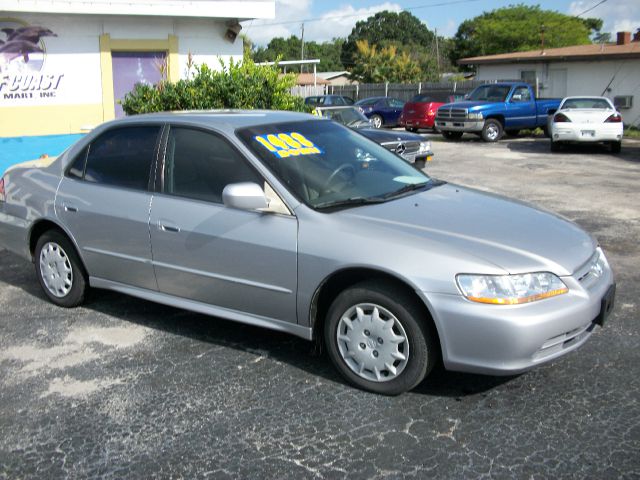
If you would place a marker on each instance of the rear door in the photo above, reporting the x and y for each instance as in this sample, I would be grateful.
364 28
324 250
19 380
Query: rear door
240 260
104 200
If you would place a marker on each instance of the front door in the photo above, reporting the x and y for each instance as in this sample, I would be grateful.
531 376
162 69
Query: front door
130 68
557 83
521 108
244 261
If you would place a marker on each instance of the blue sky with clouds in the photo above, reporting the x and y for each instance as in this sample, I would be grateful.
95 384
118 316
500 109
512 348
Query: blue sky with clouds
337 17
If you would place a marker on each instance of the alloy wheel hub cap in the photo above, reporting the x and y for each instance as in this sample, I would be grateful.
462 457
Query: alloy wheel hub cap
372 342
56 271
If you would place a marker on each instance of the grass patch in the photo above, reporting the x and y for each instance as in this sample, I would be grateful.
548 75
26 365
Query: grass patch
631 132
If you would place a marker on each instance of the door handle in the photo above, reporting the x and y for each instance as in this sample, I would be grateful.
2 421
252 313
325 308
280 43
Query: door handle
70 208
168 228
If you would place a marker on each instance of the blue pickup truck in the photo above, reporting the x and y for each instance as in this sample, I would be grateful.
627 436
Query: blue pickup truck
493 109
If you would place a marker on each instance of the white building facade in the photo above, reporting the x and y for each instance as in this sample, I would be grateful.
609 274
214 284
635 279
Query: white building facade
64 65
610 70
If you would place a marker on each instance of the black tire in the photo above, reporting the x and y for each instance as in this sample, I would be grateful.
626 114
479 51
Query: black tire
513 133
492 130
420 164
616 147
74 295
419 333
452 135
377 121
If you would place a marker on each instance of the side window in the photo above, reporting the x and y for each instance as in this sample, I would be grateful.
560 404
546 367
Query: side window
200 164
76 170
122 157
521 94
395 103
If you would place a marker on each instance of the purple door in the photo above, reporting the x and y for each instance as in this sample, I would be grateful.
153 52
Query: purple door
130 68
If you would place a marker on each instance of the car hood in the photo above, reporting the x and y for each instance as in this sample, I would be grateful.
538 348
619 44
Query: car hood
382 136
478 104
509 234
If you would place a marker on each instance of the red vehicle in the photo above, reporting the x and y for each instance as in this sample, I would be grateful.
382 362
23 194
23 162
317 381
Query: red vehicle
420 112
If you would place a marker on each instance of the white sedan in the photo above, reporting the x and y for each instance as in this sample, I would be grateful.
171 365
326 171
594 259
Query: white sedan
586 119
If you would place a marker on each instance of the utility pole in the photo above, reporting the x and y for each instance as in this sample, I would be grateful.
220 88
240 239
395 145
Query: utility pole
542 28
302 48
437 55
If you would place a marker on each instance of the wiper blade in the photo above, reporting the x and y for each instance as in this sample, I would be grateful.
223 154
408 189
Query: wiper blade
349 202
410 187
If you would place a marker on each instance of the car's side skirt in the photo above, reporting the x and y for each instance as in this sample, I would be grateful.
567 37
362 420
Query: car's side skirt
199 307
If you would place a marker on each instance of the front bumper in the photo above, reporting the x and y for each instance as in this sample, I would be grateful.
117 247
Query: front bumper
507 340
417 122
418 157
459 125
586 132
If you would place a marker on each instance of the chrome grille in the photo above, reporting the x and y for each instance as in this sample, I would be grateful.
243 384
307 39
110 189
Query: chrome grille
451 113
410 148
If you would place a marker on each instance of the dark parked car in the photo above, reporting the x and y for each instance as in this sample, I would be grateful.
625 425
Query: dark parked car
411 147
328 100
382 111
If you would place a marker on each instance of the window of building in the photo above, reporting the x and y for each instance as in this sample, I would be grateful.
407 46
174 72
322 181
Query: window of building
122 157
200 164
529 76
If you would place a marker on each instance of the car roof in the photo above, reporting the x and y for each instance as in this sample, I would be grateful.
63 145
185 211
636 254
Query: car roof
219 118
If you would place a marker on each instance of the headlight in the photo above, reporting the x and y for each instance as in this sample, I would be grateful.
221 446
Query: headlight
510 289
474 116
424 147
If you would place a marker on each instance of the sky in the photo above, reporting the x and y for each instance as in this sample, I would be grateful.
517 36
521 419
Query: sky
327 19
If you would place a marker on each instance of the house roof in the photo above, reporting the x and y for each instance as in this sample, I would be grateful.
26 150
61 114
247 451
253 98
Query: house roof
330 75
307 79
605 51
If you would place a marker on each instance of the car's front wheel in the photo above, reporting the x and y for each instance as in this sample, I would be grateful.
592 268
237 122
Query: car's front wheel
492 130
376 121
378 338
59 270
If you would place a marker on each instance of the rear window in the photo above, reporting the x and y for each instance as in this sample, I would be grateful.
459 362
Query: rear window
423 98
122 157
597 103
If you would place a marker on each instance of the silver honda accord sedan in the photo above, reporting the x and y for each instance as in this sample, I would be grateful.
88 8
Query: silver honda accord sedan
298 224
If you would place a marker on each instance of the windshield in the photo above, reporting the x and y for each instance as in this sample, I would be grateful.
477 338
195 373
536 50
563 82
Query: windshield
368 101
598 103
346 116
490 93
327 165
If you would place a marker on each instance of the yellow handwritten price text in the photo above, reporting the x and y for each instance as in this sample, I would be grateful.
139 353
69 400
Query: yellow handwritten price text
285 145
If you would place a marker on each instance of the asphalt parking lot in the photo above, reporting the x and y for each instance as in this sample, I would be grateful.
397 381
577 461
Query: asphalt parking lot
124 388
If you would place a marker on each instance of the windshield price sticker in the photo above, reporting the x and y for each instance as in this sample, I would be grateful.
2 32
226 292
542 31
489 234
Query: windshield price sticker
285 145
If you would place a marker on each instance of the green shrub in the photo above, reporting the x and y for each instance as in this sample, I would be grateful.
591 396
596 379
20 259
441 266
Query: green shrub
237 85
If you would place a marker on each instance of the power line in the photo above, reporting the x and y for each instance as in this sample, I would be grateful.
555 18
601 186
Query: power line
589 9
336 17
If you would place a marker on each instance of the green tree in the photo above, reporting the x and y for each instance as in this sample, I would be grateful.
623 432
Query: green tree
401 30
291 49
236 85
519 28
378 65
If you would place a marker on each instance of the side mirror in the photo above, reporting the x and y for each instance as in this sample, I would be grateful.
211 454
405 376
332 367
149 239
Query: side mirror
516 98
245 196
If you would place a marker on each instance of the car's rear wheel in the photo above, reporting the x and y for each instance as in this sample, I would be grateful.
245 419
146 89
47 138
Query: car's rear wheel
452 135
59 270
492 130
616 147
376 121
378 338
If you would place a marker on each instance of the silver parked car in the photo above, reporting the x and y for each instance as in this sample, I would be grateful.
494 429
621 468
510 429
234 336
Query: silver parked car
298 224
